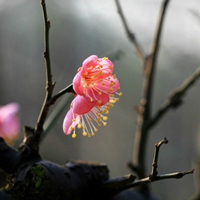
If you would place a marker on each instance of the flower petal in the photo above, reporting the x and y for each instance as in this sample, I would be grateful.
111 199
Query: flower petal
78 84
70 122
109 85
9 122
9 109
82 105
101 98
67 122
88 62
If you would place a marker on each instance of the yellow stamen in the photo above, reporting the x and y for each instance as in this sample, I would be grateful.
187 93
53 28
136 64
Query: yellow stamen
79 126
111 89
84 133
104 123
105 118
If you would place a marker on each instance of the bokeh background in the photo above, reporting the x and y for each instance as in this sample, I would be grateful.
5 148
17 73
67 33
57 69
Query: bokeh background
80 28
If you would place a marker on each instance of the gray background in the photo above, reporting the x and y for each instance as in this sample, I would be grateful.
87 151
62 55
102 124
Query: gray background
80 28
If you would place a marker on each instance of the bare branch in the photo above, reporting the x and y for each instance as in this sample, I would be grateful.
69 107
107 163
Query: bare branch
175 98
154 171
149 179
68 89
36 133
130 35
151 62
145 103
126 182
120 184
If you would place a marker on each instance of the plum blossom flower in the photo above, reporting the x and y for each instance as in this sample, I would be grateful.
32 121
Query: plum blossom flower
95 80
95 86
9 123
85 115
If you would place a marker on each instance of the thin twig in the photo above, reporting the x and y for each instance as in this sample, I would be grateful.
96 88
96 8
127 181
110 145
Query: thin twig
151 61
130 35
119 184
154 171
68 89
123 183
145 104
49 83
175 98
175 175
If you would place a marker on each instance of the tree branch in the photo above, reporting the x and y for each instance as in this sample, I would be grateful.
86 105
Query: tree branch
154 171
68 89
176 175
49 83
9 157
145 103
131 35
175 98
117 185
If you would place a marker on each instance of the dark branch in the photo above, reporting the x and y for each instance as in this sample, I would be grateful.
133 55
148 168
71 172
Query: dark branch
130 35
68 89
129 181
151 62
49 84
176 175
175 98
154 171
145 104
9 157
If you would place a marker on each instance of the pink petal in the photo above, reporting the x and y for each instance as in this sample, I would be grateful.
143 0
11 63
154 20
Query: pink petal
68 123
101 99
109 85
82 105
9 109
9 123
107 66
90 61
78 83
10 127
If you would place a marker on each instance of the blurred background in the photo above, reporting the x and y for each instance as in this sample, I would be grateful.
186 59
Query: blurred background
80 28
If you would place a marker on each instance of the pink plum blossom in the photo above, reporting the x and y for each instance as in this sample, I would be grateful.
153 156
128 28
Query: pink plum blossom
95 80
86 115
95 86
9 123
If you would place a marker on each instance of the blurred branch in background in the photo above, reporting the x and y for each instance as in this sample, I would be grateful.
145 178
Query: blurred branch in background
144 110
130 34
175 98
